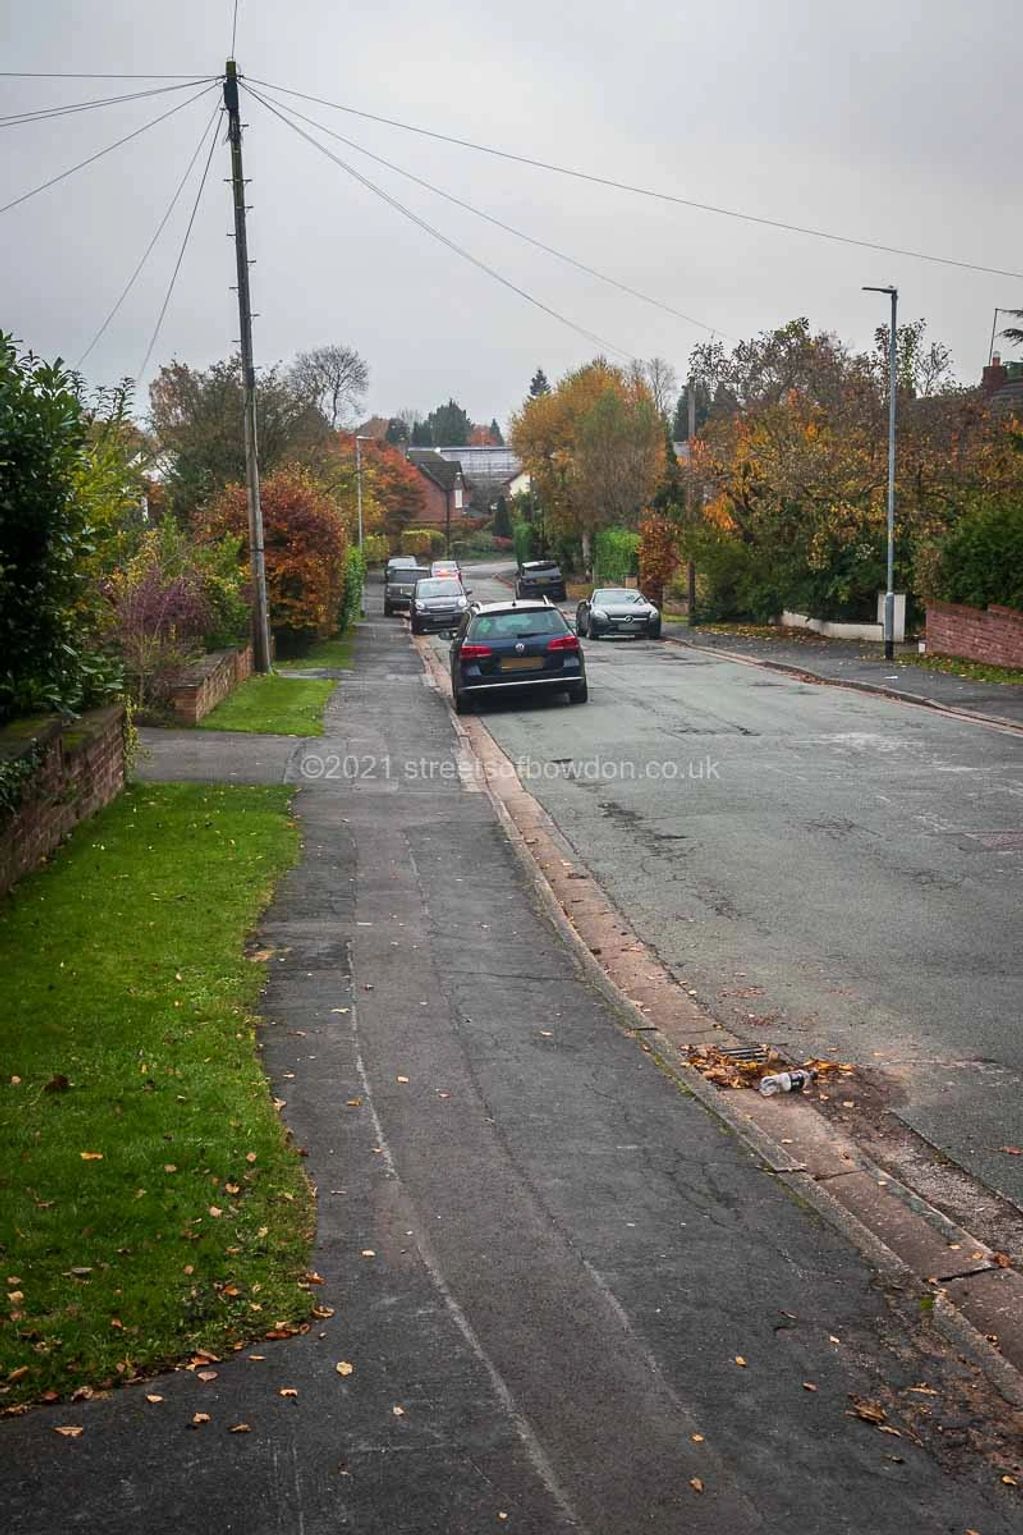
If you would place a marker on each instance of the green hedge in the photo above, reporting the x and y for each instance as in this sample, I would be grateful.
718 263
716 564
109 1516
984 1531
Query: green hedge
423 541
981 561
351 600
616 556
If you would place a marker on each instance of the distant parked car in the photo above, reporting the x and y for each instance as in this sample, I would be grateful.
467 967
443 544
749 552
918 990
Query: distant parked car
515 645
540 578
617 610
399 584
446 568
438 603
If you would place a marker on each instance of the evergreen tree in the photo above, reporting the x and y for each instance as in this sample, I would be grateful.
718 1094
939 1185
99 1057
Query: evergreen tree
449 426
396 434
502 519
496 436
538 384
422 435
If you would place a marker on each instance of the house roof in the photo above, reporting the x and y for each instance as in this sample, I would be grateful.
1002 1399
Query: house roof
487 467
446 473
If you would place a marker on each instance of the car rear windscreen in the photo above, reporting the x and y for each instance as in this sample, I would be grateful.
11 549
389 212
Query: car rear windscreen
408 575
516 623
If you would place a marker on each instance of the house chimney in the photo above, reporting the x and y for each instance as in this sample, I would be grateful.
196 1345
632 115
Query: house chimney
994 377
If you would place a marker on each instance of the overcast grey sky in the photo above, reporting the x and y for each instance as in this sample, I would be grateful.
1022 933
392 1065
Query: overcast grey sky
891 120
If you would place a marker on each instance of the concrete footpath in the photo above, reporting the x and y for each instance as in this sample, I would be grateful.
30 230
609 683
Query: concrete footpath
570 1299
862 665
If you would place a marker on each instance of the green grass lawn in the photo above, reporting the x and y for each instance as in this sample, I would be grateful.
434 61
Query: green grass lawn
334 654
958 666
287 706
149 1202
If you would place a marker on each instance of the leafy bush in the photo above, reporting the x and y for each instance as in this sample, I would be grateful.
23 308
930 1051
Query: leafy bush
355 575
981 561
160 616
305 539
375 548
617 553
47 660
424 542
523 540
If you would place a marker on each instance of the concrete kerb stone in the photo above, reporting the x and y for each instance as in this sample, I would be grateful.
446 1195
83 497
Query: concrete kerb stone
996 721
913 1224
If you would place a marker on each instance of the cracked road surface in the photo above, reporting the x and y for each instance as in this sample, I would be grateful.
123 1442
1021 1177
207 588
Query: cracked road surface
570 1299
837 873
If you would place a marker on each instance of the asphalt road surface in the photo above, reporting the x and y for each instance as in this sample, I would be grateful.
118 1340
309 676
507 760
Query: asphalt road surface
833 872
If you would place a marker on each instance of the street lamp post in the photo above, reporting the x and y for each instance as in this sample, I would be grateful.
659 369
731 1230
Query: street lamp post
358 500
889 596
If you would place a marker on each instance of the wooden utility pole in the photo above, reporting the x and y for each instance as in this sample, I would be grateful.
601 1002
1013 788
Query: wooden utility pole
260 611
690 499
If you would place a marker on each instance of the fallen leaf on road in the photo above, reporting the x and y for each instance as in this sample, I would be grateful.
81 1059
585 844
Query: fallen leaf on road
401 1079
259 955
923 1390
344 1367
740 1361
151 1396
353 1103
323 1312
696 1484
339 1009
833 1339
91 1156
870 1412
724 1071
1012 1151
239 1428
367 1252
287 1391
696 1438
205 1374
399 1412
313 1277
808 1385
198 1419
1010 1481
69 1430
257 1358
886 1428
1002 1259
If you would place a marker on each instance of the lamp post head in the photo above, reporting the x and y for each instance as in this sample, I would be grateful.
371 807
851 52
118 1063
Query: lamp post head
892 292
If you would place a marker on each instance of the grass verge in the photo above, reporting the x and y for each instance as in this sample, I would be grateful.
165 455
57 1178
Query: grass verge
958 666
335 654
149 1202
286 706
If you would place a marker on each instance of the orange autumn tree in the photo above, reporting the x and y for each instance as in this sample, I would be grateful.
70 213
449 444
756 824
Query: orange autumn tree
393 497
305 541
594 448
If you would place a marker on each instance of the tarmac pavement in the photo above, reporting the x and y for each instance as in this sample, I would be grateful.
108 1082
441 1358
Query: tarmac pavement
571 1300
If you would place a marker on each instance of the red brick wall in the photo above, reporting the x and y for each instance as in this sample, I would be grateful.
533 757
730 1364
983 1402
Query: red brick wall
993 635
204 685
434 505
82 769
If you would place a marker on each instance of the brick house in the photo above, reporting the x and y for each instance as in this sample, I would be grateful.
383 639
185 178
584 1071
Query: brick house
445 488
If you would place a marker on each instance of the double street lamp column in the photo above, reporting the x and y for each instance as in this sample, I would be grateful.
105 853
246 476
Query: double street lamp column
358 500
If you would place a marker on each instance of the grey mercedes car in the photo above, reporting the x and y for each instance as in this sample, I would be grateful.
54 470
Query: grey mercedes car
617 610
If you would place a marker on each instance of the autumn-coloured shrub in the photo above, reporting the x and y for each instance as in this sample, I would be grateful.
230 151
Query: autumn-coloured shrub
304 539
658 555
375 548
159 615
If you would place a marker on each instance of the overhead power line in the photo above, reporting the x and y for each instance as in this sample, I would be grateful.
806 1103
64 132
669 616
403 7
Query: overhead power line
641 191
41 113
159 231
41 74
520 234
181 253
436 233
91 159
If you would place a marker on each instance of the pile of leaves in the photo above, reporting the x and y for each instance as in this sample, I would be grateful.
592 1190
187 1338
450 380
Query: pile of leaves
726 1070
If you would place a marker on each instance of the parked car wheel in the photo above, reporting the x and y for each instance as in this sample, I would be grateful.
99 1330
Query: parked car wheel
388 610
654 631
581 627
579 694
462 704
416 628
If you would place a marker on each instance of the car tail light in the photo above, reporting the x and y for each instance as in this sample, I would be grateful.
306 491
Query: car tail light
475 652
564 642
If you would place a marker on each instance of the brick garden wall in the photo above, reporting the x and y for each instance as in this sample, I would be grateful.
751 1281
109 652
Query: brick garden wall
993 635
82 769
205 684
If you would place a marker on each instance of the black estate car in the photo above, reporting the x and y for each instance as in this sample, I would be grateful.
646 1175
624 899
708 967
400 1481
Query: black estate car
515 645
540 578
617 610
399 584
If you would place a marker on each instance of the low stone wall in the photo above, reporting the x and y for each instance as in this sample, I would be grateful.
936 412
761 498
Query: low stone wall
993 635
80 769
204 685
